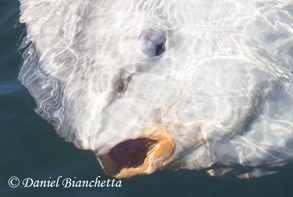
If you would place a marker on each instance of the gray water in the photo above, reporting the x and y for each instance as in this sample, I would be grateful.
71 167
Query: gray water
30 147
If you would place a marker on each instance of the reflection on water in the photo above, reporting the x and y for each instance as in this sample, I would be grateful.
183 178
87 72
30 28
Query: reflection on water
30 147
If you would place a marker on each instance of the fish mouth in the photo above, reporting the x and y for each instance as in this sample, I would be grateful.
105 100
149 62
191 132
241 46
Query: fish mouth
140 156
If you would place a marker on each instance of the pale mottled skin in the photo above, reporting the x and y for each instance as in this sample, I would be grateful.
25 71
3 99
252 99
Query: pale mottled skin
223 84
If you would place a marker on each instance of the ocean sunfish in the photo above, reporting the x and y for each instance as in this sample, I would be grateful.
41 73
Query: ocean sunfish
173 84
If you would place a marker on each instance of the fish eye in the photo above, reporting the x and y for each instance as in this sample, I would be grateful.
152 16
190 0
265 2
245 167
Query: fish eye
153 42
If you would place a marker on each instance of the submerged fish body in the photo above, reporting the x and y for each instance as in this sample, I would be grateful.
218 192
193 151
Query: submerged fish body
171 84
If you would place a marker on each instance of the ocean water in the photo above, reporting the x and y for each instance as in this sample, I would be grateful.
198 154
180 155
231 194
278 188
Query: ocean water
30 147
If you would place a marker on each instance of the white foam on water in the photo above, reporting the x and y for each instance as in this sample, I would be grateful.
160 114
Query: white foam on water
226 75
